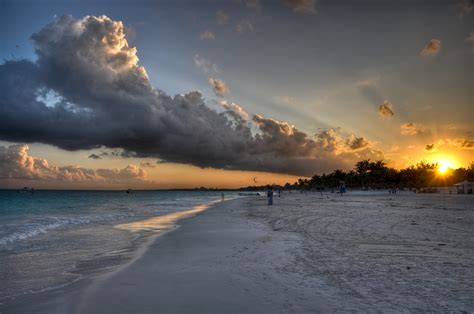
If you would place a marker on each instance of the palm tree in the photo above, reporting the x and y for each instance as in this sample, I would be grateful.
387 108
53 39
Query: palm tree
362 167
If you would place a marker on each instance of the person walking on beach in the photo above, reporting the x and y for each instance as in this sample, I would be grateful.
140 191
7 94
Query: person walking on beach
342 187
270 196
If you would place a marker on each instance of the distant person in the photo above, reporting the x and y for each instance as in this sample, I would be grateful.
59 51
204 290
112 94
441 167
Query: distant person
279 192
222 197
342 187
270 196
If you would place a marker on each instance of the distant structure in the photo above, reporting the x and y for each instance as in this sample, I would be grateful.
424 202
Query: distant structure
464 187
26 189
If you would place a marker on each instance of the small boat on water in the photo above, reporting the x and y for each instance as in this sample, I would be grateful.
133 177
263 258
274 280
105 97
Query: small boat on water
26 189
249 194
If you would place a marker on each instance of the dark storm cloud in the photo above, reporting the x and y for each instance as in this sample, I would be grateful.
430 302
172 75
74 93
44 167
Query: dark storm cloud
94 156
105 99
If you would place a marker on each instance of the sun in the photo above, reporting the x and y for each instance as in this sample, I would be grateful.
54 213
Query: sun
443 166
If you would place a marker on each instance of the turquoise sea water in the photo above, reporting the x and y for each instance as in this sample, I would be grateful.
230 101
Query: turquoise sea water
52 238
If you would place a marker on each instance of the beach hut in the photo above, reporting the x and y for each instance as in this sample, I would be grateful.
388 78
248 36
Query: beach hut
464 187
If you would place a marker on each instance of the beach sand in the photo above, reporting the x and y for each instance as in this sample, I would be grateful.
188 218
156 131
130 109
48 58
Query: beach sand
307 253
380 252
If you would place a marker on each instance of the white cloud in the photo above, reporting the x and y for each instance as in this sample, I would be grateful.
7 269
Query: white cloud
431 48
16 163
205 65
221 17
286 100
244 26
237 109
219 86
207 35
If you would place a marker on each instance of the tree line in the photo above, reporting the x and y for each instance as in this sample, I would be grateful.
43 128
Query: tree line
376 175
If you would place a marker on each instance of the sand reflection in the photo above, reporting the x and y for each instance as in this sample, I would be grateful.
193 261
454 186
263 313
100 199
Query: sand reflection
162 223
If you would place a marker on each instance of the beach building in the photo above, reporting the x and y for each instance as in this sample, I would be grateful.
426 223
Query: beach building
464 187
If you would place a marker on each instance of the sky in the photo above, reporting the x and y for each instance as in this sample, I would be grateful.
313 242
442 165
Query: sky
183 94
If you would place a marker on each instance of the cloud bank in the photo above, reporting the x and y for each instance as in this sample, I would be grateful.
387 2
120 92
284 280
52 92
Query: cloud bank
103 98
16 163
459 143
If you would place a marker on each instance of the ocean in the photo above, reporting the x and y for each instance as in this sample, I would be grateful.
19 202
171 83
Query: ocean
51 238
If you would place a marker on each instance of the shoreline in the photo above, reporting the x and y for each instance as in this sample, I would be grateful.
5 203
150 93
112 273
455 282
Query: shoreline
218 261
141 233
159 225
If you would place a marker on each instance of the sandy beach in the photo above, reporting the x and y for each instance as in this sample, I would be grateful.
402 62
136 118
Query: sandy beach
379 252
307 253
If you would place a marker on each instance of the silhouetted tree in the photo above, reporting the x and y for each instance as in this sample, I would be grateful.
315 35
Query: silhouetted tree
376 174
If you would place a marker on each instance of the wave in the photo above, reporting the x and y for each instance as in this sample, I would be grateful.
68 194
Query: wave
24 231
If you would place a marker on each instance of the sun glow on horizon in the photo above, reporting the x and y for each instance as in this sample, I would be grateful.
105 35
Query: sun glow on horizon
444 166
444 162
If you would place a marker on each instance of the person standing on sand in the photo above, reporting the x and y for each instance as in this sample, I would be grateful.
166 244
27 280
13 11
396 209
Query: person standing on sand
342 187
222 196
270 196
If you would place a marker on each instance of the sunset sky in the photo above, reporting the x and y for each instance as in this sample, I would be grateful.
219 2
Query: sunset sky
179 94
